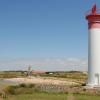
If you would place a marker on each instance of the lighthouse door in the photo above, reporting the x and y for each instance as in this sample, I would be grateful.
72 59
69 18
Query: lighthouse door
97 79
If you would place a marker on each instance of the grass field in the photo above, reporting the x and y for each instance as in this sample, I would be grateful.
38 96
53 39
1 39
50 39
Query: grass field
12 74
30 92
46 96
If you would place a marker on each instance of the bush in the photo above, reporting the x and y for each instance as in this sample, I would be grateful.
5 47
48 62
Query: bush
10 90
20 89
22 85
30 85
23 90
83 84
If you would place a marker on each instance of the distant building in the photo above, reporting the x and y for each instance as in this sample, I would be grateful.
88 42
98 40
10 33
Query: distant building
38 72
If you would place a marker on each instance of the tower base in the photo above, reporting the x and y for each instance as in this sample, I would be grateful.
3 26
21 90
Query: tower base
91 86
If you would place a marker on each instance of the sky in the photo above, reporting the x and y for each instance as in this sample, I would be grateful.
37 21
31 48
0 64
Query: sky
46 34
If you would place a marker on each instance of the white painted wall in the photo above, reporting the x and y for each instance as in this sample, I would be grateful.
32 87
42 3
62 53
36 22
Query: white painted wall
94 56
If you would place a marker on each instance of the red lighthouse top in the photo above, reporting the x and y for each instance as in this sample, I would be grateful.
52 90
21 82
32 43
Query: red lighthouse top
94 9
93 17
93 13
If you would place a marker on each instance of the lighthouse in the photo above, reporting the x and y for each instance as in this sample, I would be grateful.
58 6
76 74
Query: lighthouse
93 18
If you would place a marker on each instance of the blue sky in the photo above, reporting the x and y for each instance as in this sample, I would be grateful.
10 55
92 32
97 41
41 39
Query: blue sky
44 28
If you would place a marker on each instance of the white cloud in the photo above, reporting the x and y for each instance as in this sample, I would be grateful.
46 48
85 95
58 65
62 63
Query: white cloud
45 64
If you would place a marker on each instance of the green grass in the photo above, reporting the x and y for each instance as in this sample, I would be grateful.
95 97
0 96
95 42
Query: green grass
38 96
12 74
46 96
87 97
69 75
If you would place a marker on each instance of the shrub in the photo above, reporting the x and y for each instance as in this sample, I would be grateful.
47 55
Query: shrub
23 90
30 85
10 90
83 84
22 85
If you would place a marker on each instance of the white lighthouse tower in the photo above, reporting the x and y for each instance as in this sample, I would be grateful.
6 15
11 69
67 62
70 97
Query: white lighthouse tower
93 18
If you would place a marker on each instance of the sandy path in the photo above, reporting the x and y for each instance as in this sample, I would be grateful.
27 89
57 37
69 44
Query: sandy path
41 80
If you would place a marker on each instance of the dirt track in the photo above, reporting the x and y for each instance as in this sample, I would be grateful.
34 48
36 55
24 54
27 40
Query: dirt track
41 80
